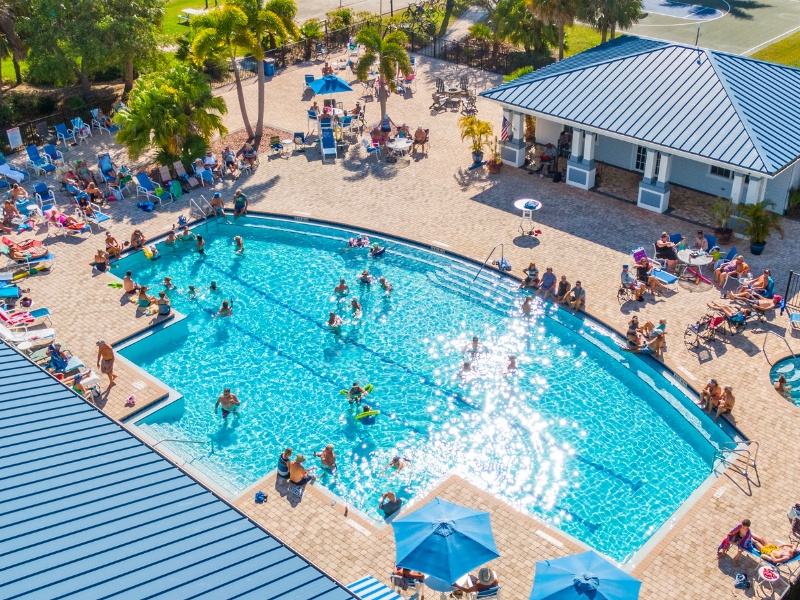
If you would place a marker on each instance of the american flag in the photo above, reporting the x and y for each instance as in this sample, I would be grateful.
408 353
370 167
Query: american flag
504 133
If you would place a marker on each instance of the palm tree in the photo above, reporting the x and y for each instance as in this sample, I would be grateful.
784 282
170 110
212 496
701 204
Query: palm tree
224 30
390 55
10 13
265 22
308 34
518 25
173 111
607 15
5 52
626 14
561 13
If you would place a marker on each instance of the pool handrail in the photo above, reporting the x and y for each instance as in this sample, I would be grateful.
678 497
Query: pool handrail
487 260
783 339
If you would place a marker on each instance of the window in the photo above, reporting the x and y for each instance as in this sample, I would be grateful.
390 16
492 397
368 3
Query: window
641 160
720 172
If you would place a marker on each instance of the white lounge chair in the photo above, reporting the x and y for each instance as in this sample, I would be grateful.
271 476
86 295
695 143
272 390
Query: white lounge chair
27 336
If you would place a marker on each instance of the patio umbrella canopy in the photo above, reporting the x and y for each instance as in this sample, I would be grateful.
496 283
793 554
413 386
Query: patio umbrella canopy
444 540
584 576
330 84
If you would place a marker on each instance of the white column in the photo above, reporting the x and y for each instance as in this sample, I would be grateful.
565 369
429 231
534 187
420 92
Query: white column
577 144
736 190
664 169
588 148
518 126
650 166
755 190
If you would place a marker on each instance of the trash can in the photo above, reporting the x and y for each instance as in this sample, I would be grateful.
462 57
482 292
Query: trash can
269 67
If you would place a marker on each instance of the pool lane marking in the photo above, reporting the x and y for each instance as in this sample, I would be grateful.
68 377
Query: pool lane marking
423 378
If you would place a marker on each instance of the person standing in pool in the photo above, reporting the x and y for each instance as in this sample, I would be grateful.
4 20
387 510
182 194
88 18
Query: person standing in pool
526 306
365 278
226 310
385 284
356 393
341 288
229 403
239 244
327 457
187 235
473 349
201 245
356 306
334 321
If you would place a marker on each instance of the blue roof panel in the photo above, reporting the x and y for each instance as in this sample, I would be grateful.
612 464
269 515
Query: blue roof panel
89 511
726 108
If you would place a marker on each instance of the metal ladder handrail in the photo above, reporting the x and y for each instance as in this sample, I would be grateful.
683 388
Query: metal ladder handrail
487 260
732 448
784 340
199 204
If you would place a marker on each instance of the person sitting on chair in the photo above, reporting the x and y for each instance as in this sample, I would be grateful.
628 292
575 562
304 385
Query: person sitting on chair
357 110
700 242
17 192
212 164
735 314
327 70
107 168
763 285
249 154
644 274
631 283
420 137
229 158
103 119
547 156
666 251
734 268
486 580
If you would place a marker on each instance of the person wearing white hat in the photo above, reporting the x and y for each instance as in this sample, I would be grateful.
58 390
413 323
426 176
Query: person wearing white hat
486 580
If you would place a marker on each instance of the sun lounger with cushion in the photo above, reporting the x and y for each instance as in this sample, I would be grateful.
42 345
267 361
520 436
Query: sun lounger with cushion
27 336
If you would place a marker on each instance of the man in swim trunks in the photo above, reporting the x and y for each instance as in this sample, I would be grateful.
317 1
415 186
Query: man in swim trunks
397 463
229 403
128 284
298 473
334 320
226 310
218 204
390 504
327 457
355 393
341 288
187 235
105 361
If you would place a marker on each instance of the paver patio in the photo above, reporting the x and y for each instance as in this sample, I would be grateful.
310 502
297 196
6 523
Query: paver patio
435 201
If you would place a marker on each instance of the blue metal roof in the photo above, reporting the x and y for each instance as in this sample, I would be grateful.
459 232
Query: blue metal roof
89 511
729 109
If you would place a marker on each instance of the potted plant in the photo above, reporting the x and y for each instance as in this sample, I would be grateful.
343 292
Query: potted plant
722 210
478 132
495 164
758 221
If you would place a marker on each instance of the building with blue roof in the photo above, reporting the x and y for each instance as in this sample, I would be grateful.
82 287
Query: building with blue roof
715 122
89 512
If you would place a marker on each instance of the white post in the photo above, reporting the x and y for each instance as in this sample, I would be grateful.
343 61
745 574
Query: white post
738 186
588 148
664 169
650 166
577 145
518 126
755 190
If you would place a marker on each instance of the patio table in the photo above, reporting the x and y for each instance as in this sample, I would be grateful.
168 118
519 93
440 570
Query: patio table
527 206
444 588
698 261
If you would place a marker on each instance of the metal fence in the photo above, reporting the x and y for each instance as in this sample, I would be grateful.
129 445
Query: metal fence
218 77
792 294
503 62
42 130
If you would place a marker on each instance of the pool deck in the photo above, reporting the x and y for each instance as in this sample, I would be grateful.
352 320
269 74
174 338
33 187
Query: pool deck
435 200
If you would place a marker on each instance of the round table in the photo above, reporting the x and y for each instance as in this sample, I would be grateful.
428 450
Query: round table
399 146
24 346
527 212
767 576
287 144
437 585
699 261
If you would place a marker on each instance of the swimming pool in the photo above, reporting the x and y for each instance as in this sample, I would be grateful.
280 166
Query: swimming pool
788 368
596 441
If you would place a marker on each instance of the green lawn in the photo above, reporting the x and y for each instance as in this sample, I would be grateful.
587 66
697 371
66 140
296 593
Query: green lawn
579 38
784 52
173 27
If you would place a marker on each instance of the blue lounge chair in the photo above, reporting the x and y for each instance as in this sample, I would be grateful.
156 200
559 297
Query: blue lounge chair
38 162
313 120
100 125
306 84
62 133
28 263
712 240
52 155
44 197
328 144
7 170
101 218
145 187
369 588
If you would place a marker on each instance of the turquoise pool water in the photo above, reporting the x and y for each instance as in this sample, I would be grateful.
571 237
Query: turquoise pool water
593 440
789 368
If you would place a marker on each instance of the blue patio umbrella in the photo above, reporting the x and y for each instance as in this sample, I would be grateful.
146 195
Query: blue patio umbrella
330 84
584 576
444 540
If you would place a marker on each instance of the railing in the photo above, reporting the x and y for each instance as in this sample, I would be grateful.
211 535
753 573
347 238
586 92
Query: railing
42 130
198 204
248 68
481 56
742 455
486 261
783 339
792 295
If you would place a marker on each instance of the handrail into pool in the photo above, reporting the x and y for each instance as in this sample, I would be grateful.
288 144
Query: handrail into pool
732 448
198 204
783 339
487 260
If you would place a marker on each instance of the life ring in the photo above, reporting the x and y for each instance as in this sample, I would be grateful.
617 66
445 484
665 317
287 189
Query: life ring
369 413
337 134
367 388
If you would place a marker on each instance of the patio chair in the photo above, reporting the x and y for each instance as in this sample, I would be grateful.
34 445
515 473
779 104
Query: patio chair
275 144
39 163
100 218
440 86
731 255
465 87
27 336
45 198
376 150
788 570
204 176
64 134
9 171
321 52
29 262
439 102
52 155
22 320
346 123
468 106
145 187
703 331
99 124
180 171
309 79
300 141
81 129
43 133
313 121
328 144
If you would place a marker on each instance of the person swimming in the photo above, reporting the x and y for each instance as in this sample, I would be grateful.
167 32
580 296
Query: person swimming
356 306
168 283
397 463
473 349
356 393
385 284
377 250
187 235
466 370
226 310
239 244
191 292
365 278
171 239
213 287
512 364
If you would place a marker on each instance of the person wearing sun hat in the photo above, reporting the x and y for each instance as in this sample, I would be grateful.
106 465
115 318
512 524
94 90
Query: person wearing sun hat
486 580
365 277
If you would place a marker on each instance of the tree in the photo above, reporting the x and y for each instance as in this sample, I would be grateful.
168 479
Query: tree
309 33
173 111
607 15
5 52
561 13
10 12
518 25
389 55
224 30
275 21
130 29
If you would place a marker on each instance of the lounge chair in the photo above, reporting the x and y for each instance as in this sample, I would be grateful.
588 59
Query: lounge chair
64 134
369 588
328 144
81 130
26 336
145 187
376 150
52 155
29 262
11 171
38 162
100 218
703 331
306 84
313 121
58 228
22 320
788 570
300 141
97 123
45 198
180 171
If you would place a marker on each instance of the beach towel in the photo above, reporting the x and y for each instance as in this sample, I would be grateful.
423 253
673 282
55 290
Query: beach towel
7 171
735 537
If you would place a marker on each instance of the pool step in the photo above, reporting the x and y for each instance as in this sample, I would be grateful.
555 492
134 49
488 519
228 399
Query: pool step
490 287
455 285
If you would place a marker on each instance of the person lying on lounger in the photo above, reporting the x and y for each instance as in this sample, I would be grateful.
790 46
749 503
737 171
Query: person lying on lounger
735 314
776 552
63 220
